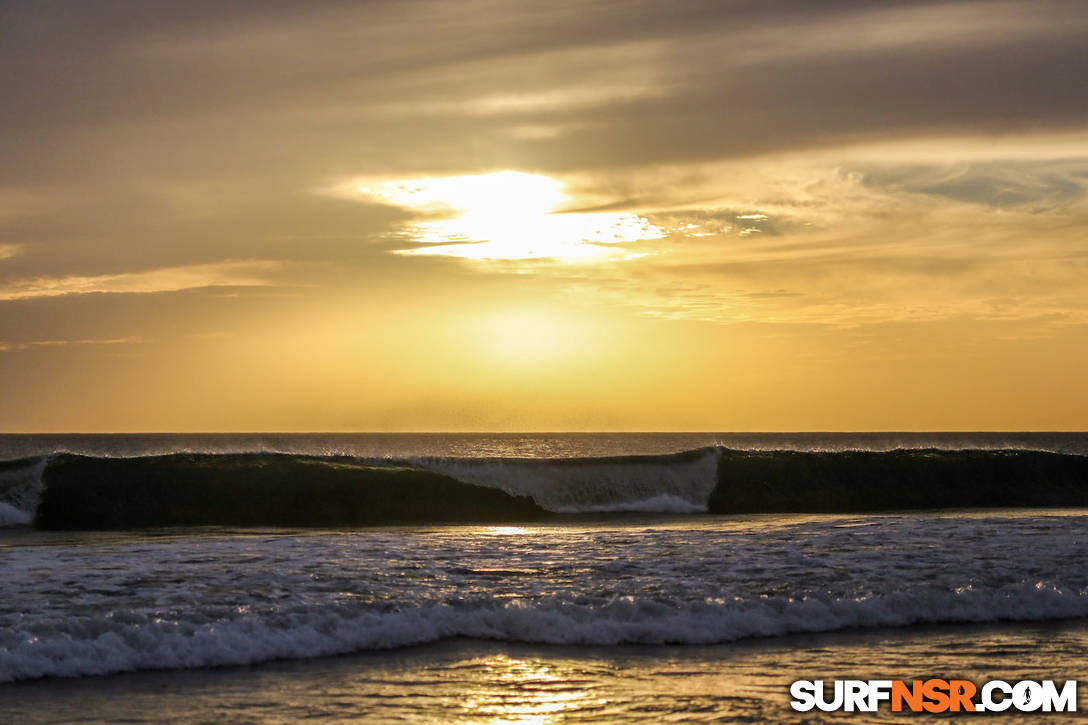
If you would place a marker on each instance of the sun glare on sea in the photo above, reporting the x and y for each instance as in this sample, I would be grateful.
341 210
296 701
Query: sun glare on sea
511 690
508 215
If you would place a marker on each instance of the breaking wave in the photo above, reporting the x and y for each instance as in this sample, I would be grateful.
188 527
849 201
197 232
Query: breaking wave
232 598
72 491
20 490
675 483
79 646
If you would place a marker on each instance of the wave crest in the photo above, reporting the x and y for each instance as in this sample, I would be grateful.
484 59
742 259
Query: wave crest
76 647
302 490
676 483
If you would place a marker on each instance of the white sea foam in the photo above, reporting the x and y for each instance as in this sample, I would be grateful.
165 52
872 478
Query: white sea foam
200 600
664 503
20 492
668 484
11 516
79 647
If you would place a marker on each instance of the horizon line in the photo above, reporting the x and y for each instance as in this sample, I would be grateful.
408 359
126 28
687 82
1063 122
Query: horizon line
558 432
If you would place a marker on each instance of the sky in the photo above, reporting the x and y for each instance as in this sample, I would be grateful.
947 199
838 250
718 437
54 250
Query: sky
489 215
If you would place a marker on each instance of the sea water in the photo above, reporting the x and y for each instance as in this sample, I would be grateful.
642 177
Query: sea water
600 617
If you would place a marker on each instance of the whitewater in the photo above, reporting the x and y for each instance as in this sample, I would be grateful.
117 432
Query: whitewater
122 603
616 551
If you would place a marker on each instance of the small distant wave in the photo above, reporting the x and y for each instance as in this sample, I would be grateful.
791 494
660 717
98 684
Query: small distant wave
80 646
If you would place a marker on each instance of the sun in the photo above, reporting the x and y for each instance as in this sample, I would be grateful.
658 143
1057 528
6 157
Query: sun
497 194
508 215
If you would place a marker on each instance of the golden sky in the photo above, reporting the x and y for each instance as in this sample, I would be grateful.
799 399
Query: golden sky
489 215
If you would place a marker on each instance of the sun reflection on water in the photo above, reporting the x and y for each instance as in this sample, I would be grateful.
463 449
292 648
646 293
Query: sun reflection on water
505 530
524 691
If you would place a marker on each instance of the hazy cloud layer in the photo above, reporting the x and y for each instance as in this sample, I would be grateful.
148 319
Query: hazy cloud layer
187 173
167 279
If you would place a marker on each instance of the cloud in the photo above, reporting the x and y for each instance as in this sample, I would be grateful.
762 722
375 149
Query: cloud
440 88
856 236
167 279
10 346
922 230
1039 184
817 165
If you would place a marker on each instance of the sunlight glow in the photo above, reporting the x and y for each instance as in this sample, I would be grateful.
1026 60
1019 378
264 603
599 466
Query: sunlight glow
506 531
509 215
524 691
523 336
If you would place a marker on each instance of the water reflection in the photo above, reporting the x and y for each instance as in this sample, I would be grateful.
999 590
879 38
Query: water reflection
505 530
524 691
468 682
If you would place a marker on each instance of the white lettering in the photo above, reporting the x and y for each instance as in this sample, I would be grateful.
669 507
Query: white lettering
804 695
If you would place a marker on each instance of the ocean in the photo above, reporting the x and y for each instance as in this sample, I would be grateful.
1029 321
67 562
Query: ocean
611 580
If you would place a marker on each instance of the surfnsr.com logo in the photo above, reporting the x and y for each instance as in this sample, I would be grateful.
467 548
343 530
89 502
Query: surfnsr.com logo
934 696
